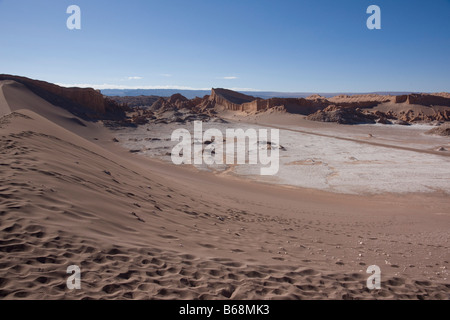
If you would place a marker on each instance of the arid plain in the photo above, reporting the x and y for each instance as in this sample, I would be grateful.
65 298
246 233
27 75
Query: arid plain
139 227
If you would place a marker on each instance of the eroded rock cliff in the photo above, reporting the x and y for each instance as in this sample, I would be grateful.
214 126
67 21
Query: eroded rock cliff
86 103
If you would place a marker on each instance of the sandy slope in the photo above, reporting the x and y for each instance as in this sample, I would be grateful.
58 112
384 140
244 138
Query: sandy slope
143 229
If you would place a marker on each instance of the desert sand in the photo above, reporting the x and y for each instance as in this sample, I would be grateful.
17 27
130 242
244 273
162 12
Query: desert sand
140 228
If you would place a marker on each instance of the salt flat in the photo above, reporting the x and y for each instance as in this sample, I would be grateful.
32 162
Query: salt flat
352 161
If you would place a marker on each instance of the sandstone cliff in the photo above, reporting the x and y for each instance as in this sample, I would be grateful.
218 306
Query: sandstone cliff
343 108
428 100
236 101
361 100
231 100
86 103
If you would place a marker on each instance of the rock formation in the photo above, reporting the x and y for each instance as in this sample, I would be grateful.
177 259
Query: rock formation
86 103
232 100
342 115
426 99
341 109
235 101
135 101
90 104
360 100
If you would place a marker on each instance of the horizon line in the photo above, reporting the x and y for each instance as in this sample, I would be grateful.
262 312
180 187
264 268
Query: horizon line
187 88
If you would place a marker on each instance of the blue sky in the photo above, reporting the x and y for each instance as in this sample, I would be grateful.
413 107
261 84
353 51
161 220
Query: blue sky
291 46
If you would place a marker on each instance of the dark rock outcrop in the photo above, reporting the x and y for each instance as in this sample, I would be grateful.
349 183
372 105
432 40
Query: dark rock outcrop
342 115
137 101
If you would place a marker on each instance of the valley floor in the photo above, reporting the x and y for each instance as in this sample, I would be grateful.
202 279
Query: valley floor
140 228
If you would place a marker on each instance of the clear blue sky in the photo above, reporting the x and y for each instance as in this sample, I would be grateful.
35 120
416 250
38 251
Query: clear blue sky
295 46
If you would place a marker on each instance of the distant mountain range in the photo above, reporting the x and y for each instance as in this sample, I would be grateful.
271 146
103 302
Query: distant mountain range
190 94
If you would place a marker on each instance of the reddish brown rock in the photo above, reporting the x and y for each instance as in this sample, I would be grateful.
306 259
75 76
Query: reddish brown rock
235 101
84 102
428 100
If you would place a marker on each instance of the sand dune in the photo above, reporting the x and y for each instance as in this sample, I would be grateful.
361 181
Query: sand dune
142 229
